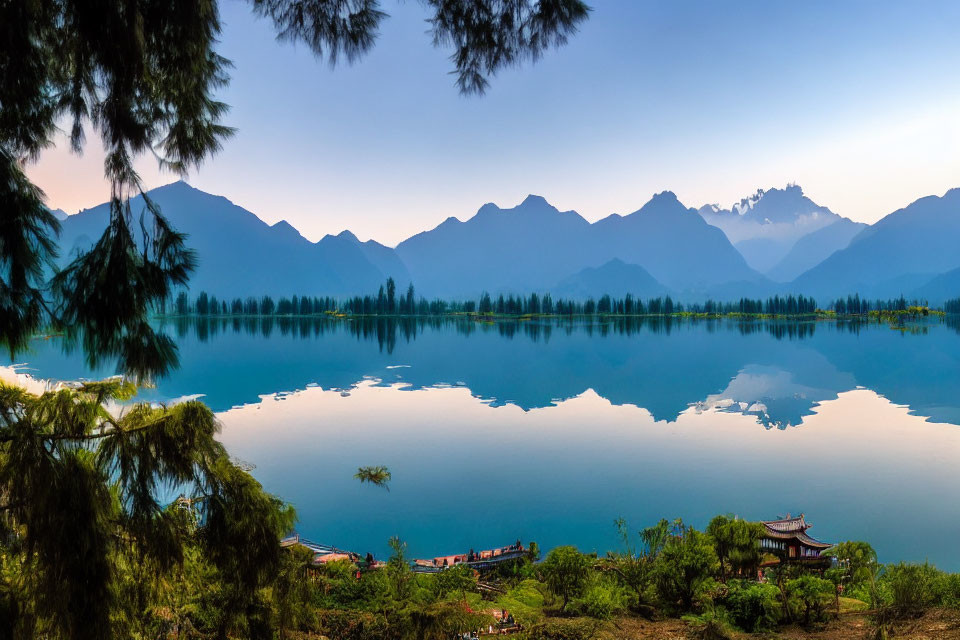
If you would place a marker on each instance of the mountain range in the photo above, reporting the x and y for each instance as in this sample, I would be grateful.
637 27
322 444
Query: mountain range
775 241
766 226
239 254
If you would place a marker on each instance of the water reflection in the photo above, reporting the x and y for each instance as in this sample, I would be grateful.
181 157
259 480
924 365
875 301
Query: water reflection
470 475
776 371
548 430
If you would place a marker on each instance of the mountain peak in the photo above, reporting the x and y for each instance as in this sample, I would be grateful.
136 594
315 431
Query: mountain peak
663 202
534 200
665 196
286 229
178 185
346 234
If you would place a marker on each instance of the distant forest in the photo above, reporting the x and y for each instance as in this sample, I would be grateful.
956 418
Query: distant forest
388 303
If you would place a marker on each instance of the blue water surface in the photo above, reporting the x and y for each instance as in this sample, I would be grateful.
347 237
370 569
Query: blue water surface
548 430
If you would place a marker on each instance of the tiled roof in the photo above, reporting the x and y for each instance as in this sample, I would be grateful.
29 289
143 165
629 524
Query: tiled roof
787 524
789 528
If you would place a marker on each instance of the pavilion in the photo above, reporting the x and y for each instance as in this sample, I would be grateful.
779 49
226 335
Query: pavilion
787 539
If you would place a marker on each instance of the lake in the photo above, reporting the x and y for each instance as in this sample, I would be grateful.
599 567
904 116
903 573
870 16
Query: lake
548 430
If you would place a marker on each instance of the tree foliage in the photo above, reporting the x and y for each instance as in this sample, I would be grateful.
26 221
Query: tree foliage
565 571
80 486
737 543
379 476
685 567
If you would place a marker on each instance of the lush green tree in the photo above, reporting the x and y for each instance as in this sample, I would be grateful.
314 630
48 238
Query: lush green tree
855 560
634 565
398 570
811 594
737 543
685 567
565 571
854 569
79 487
293 591
456 581
753 606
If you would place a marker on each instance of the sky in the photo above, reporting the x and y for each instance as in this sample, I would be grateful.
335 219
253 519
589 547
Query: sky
857 102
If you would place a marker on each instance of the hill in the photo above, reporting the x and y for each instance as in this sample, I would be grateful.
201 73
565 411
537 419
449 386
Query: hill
898 254
815 247
616 278
241 255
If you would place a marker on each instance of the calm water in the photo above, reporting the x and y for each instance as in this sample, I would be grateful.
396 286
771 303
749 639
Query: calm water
548 431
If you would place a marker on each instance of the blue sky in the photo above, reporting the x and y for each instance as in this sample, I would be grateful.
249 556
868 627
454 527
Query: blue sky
858 102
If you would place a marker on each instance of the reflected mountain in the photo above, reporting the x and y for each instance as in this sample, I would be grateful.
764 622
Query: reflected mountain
774 370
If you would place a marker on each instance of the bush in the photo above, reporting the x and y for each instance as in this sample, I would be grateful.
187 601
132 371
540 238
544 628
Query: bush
951 590
684 568
914 588
712 624
600 600
525 601
352 625
565 571
753 606
564 629
812 595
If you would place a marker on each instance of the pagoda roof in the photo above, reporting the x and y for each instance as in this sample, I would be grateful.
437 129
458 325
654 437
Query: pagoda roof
787 524
789 528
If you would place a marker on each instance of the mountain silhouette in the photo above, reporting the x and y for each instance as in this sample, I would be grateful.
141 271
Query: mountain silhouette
533 246
239 255
815 247
662 248
896 255
943 287
524 248
616 278
765 226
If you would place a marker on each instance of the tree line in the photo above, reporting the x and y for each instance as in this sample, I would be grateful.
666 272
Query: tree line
387 301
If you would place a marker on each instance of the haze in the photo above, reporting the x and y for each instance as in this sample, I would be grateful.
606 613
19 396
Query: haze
857 101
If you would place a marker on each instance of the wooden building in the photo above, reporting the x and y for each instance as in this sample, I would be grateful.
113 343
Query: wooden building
788 540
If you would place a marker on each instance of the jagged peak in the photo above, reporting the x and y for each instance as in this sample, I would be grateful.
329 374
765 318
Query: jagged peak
665 196
665 201
536 200
346 234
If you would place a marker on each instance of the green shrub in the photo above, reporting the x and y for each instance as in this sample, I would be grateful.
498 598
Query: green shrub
950 596
564 629
600 599
352 625
914 588
565 571
684 568
712 624
753 606
811 595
